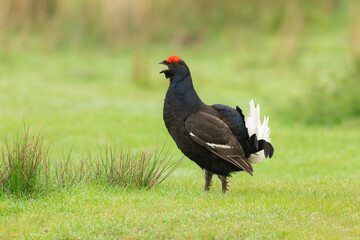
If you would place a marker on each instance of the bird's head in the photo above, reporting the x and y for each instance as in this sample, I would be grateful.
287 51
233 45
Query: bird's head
176 66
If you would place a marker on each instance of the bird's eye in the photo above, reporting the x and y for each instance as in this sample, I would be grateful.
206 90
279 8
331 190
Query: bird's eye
172 62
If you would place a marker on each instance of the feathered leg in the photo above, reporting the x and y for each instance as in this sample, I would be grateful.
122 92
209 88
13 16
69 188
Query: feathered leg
223 183
208 176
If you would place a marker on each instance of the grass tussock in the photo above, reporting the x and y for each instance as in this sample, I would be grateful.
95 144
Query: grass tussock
143 169
24 164
26 168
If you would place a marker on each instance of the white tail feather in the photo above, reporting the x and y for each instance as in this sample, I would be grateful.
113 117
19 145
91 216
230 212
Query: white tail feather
254 126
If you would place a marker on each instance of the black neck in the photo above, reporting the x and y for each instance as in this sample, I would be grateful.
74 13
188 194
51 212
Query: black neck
183 90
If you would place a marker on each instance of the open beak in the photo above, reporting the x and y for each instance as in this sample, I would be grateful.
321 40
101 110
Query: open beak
168 73
165 63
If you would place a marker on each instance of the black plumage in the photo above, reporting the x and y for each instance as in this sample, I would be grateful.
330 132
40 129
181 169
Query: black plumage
214 137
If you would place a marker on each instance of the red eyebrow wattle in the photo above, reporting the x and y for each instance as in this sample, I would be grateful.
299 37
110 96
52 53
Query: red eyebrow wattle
173 58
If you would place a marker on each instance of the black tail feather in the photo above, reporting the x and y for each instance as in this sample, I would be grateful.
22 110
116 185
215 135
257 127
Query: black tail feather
254 142
258 145
267 147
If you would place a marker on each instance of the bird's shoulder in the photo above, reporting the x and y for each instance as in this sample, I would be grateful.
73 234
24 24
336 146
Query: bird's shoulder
207 120
234 118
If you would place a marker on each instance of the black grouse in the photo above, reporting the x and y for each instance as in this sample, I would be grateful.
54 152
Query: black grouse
215 137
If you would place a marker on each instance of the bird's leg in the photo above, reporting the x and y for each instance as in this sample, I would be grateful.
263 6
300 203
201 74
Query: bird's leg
223 183
208 176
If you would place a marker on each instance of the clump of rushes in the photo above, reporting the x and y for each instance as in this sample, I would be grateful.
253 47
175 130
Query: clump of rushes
26 170
24 165
143 169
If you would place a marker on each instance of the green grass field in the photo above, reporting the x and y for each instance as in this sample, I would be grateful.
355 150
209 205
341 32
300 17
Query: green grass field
82 99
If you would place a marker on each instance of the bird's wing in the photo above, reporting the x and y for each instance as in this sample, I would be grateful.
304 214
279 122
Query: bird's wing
213 134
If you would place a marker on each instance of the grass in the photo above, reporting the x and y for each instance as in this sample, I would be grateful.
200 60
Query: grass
145 169
24 165
254 208
304 192
26 171
309 190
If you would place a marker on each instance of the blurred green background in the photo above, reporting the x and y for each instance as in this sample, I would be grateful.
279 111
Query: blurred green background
86 71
